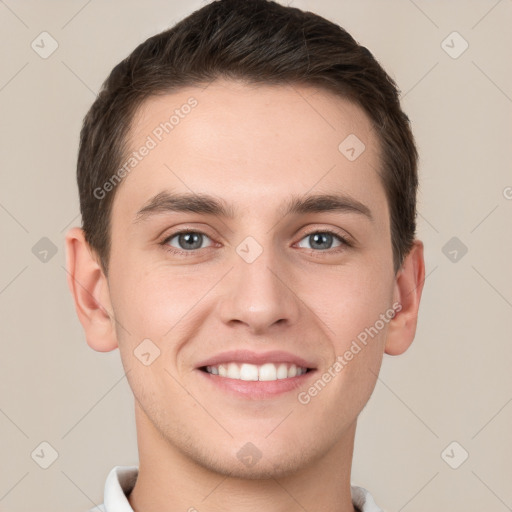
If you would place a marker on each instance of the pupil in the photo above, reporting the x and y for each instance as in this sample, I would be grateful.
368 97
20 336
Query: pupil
324 240
190 240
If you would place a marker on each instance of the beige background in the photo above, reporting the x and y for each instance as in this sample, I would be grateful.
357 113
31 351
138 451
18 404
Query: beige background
454 384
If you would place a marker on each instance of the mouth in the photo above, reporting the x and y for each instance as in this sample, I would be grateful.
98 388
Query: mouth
251 372
256 376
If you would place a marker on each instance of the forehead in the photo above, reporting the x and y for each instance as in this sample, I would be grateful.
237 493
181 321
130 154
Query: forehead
251 145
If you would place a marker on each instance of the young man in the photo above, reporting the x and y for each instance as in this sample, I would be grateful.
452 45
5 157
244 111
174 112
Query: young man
248 188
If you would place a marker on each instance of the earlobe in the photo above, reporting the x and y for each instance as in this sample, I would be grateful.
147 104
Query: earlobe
408 289
90 292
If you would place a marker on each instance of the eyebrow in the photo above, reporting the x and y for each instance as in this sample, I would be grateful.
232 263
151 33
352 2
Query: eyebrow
210 205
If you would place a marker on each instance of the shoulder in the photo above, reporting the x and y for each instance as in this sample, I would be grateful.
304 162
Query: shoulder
363 500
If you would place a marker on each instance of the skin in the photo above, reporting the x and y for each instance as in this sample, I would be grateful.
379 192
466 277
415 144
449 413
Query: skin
252 146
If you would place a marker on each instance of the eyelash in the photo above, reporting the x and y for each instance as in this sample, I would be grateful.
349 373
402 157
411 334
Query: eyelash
344 242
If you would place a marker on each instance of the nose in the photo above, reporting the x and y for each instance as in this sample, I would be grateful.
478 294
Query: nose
259 295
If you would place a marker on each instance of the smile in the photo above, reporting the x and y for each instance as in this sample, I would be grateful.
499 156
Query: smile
253 372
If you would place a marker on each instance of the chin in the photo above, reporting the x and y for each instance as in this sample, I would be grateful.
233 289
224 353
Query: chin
249 463
262 470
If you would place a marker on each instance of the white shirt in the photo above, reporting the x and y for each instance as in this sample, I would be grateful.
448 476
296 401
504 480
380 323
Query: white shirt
121 480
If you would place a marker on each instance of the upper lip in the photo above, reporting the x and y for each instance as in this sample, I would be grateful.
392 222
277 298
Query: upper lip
257 358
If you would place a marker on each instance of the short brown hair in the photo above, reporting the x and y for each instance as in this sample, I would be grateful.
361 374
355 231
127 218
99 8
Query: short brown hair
257 41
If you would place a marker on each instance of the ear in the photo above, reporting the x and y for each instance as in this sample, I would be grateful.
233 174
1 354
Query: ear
407 293
89 288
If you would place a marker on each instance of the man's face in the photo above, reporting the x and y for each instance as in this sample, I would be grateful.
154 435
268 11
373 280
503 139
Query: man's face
270 287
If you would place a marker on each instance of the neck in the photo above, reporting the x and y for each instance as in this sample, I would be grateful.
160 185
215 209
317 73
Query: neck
169 480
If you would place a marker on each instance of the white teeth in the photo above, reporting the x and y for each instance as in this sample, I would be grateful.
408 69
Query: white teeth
233 371
282 371
268 372
223 371
252 372
248 372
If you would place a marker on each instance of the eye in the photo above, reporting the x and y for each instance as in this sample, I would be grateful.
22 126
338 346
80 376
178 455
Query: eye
323 240
185 241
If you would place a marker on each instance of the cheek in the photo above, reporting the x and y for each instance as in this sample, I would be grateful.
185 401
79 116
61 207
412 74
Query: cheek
359 317
350 301
351 312
156 302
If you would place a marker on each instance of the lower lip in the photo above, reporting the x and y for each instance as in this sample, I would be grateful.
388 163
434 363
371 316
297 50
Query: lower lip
257 389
